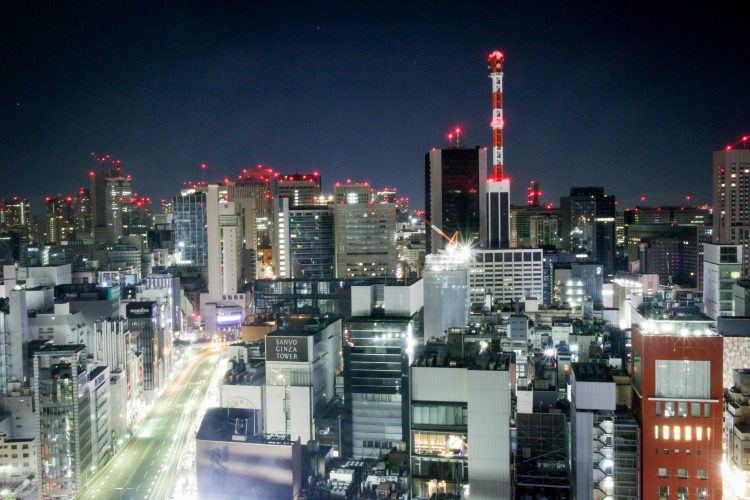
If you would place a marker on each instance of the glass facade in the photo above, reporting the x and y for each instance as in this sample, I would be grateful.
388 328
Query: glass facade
62 402
460 186
376 371
189 212
311 242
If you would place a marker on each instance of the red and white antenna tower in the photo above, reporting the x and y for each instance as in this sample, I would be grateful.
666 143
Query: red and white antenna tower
497 61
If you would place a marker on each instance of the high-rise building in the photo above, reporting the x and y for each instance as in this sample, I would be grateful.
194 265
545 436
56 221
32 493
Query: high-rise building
365 238
533 226
379 339
62 217
677 399
506 275
587 225
304 241
252 190
722 267
62 400
137 219
446 292
731 187
352 192
84 221
143 320
669 250
455 182
189 216
110 191
14 214
300 189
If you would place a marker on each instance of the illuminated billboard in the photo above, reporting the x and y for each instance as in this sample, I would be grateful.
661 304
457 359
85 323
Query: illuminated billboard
287 348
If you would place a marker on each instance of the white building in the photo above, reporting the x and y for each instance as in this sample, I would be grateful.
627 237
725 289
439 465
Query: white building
301 365
224 228
446 292
506 275
593 398
722 267
460 429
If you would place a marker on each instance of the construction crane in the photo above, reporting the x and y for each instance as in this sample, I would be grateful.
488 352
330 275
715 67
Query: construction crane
452 240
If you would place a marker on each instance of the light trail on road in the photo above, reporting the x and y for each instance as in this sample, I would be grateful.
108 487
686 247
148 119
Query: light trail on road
147 467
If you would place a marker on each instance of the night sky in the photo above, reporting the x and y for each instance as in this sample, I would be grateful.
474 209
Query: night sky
634 99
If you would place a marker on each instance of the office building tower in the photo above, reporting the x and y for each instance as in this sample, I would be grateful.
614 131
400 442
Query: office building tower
379 339
224 305
137 219
533 226
351 193
304 241
110 191
669 250
83 211
299 189
506 275
460 411
253 191
731 187
189 217
677 399
64 426
669 214
455 183
143 322
446 292
722 267
365 239
62 218
587 225
14 214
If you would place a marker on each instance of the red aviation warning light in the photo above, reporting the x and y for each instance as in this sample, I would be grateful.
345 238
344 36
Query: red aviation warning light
496 66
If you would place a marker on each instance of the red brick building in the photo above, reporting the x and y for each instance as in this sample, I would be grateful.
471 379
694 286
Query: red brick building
677 398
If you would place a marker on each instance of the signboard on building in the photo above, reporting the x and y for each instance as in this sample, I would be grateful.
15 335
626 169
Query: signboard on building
287 348
136 310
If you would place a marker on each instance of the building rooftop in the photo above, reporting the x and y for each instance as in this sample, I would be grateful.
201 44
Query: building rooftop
66 349
221 424
473 356
591 372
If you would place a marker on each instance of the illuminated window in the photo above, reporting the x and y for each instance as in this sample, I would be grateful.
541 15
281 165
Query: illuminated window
665 432
708 433
656 432
676 432
688 433
699 433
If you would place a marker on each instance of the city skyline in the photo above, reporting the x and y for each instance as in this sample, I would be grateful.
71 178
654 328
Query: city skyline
168 90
